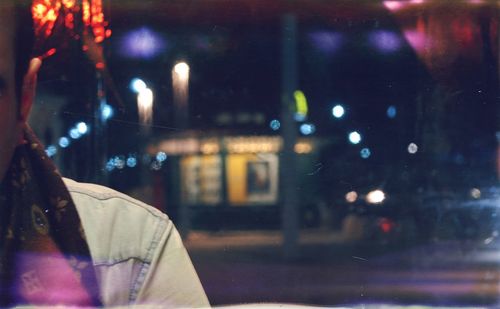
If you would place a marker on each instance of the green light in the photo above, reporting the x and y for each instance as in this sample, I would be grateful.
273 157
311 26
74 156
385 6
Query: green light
301 103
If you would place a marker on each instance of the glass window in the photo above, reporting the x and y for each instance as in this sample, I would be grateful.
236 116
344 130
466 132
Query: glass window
311 152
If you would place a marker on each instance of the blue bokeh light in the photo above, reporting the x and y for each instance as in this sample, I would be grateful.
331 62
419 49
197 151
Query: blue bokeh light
131 162
307 128
119 162
110 165
106 111
64 142
391 111
365 153
51 150
161 156
275 125
137 85
74 133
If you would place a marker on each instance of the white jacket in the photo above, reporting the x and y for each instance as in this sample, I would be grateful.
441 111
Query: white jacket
137 252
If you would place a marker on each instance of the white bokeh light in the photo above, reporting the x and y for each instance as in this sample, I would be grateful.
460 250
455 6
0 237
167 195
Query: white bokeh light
145 106
412 148
338 111
137 85
82 128
182 70
375 197
354 137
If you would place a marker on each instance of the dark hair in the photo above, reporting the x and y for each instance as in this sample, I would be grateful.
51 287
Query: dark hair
23 41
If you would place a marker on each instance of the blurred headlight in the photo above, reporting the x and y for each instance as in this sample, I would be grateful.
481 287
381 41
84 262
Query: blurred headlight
375 197
475 193
351 197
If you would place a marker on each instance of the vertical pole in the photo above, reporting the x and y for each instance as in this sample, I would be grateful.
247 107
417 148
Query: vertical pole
289 200
180 85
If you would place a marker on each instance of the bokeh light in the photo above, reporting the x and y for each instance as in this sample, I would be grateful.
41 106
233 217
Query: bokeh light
51 150
182 70
307 129
82 128
106 111
365 153
161 156
354 137
475 193
64 142
351 197
412 148
74 133
391 111
275 125
338 111
119 162
137 85
375 197
131 162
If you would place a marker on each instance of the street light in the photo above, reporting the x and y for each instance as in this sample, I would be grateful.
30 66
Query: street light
182 70
180 84
145 107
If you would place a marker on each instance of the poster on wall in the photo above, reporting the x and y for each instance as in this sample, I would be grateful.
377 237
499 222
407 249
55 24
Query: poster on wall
258 177
262 179
252 179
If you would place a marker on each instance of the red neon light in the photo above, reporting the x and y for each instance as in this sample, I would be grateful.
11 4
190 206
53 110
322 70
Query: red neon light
50 16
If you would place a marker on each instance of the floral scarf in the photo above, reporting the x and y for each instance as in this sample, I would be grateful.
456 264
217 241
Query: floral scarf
44 257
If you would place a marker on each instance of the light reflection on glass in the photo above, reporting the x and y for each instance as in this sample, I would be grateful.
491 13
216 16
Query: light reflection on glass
385 41
326 41
142 43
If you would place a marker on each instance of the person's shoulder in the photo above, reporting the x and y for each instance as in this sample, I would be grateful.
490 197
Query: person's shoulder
101 196
112 221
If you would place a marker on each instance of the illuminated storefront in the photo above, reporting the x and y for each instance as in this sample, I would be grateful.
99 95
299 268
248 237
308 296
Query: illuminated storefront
232 171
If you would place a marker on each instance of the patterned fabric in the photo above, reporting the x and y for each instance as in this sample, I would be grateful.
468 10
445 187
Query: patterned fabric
44 257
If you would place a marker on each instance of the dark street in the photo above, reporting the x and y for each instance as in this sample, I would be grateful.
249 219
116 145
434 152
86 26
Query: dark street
247 267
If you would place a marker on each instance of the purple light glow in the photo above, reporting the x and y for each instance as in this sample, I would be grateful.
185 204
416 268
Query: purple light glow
394 5
326 41
385 41
142 43
417 40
